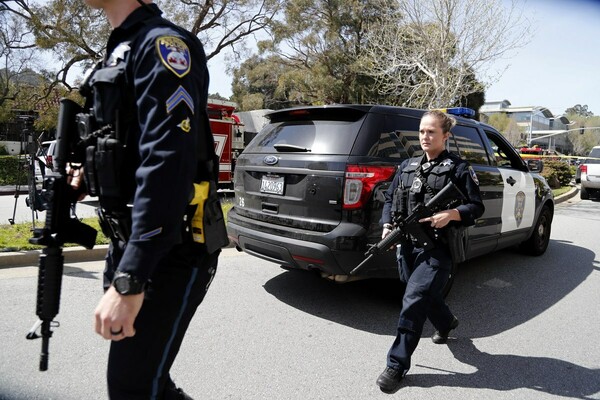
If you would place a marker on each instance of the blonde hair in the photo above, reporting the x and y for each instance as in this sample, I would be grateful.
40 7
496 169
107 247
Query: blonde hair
446 121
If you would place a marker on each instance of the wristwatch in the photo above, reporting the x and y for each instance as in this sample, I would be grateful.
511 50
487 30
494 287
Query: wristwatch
388 226
126 284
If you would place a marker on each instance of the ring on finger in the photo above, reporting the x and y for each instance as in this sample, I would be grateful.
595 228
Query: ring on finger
115 333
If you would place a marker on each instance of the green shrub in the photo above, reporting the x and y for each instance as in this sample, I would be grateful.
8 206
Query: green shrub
557 173
3 150
12 171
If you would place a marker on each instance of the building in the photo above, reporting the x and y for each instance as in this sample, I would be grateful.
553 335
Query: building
538 124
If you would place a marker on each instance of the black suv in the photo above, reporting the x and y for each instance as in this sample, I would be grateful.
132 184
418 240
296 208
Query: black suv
309 188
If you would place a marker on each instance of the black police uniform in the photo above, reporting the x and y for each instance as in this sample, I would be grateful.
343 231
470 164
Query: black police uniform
148 143
426 271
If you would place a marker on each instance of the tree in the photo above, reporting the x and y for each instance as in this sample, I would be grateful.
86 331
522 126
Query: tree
16 54
580 110
267 82
428 59
74 35
315 55
583 143
508 127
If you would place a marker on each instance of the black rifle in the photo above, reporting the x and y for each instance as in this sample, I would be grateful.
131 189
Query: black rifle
410 225
60 228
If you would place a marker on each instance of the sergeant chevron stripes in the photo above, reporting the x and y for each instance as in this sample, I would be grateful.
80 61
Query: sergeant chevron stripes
177 97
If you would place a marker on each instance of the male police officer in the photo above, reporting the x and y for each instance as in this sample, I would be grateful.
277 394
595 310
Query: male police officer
426 271
150 160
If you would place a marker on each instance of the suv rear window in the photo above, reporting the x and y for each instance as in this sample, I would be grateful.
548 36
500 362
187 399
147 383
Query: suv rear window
319 131
596 154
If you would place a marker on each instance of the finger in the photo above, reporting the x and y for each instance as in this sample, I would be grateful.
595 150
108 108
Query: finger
128 331
98 324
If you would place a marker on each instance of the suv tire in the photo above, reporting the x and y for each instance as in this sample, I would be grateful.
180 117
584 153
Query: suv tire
538 242
584 194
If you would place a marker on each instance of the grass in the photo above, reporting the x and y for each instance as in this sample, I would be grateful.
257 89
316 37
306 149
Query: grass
16 237
561 190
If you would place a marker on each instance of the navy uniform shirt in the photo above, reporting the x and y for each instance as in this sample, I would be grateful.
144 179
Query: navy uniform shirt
165 95
463 177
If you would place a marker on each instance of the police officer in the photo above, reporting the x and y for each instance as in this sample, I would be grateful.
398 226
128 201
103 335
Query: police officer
149 157
426 271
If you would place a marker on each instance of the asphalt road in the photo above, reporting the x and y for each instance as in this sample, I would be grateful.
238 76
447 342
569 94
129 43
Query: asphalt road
528 330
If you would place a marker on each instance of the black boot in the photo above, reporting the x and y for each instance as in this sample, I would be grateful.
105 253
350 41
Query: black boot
390 379
441 337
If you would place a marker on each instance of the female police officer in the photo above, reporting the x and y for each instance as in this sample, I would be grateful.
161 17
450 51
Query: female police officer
426 271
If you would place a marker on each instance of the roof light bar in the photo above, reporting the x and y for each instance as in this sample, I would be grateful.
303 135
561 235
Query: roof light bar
460 111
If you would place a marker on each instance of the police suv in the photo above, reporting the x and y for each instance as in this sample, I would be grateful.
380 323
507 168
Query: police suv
309 188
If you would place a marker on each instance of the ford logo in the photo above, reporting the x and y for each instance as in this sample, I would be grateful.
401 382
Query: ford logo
270 160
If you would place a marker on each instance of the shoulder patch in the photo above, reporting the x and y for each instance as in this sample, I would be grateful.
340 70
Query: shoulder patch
174 54
473 175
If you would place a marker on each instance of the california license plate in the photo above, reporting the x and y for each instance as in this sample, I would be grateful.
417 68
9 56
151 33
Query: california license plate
272 184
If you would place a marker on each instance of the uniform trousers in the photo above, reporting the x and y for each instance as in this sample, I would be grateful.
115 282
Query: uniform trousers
138 367
425 273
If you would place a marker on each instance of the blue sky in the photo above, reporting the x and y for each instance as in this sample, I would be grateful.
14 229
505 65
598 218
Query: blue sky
558 68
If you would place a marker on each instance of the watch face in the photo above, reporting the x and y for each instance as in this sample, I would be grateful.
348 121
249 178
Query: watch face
122 284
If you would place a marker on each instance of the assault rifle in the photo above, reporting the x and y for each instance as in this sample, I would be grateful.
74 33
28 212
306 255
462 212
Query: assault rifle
410 225
60 228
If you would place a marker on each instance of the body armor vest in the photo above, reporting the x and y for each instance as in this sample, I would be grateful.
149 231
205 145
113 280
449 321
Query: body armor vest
419 182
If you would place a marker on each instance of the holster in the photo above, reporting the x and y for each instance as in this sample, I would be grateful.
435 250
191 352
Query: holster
116 226
456 239
204 220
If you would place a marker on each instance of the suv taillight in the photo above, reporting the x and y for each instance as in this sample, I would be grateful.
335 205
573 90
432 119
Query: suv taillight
360 181
583 168
49 162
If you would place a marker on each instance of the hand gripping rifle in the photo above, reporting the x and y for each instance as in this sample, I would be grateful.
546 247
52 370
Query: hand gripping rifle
60 228
410 225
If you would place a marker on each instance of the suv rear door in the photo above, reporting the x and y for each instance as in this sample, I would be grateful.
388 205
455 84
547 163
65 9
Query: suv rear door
293 173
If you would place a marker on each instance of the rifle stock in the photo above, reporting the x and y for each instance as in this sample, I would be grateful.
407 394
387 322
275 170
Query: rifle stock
411 225
60 228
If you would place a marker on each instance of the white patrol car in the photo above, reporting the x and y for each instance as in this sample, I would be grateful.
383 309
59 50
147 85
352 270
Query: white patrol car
309 188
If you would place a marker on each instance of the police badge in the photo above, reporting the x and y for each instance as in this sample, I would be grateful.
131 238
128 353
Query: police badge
416 185
174 54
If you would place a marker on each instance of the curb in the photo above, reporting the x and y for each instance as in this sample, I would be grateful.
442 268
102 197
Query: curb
71 254
569 195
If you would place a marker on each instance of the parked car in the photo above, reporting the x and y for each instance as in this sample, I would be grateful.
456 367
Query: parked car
309 188
590 175
44 160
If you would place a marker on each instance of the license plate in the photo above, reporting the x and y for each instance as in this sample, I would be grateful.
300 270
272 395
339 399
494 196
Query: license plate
272 184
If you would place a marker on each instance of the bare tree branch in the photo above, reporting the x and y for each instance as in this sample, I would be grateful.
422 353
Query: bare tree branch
431 57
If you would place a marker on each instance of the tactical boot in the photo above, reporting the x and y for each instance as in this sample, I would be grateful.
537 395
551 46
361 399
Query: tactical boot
390 379
441 337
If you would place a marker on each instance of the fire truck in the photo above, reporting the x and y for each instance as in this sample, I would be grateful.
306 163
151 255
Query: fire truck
228 133
538 153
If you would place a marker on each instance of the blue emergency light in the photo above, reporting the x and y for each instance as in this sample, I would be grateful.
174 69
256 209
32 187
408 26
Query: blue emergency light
460 111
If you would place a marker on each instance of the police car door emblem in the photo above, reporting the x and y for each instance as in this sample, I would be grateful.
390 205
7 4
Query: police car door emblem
270 160
519 207
174 54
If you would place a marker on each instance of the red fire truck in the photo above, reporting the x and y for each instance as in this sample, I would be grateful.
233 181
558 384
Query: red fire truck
229 137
